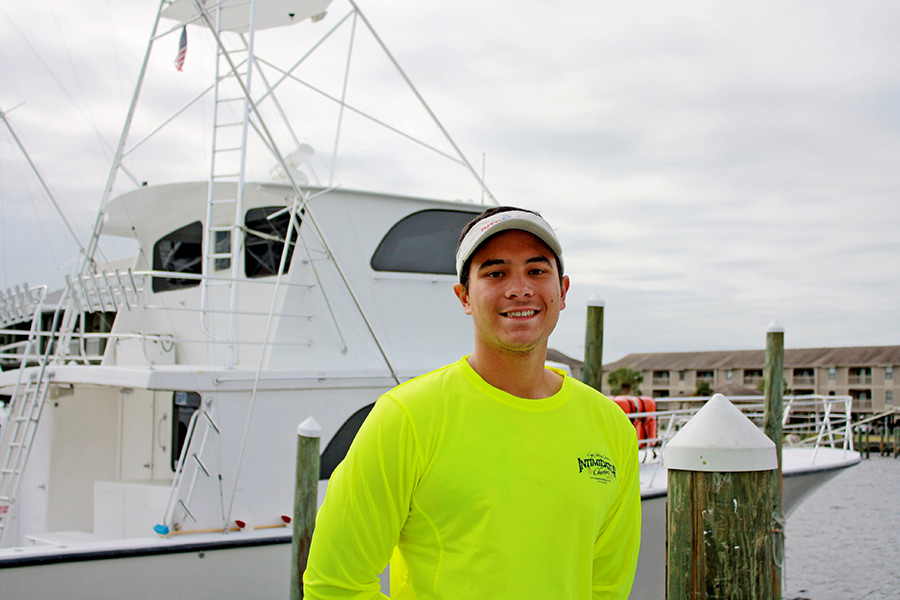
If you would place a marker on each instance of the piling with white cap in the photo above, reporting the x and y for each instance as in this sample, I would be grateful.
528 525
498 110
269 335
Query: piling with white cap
593 343
305 501
719 511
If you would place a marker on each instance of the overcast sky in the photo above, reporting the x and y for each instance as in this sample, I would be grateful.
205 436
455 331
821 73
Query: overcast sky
710 167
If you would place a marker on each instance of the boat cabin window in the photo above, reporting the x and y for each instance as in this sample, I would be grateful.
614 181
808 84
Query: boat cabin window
179 252
264 241
423 242
184 405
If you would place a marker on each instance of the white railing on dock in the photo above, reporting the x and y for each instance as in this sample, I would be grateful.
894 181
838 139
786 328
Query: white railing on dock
808 421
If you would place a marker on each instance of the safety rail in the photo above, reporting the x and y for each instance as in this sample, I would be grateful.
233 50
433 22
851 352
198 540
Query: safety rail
19 304
114 291
81 355
810 420
104 291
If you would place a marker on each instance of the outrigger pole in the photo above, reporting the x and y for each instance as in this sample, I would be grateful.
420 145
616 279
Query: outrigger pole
41 180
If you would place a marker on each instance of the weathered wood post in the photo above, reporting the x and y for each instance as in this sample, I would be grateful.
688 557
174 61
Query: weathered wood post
896 442
772 424
305 501
719 509
593 343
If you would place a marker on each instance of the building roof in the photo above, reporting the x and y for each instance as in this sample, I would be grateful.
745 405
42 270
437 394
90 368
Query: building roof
755 359
557 356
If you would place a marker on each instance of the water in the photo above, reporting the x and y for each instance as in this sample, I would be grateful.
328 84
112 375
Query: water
843 542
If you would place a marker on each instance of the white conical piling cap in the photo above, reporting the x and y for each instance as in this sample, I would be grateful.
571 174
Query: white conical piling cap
720 439
775 327
596 300
309 428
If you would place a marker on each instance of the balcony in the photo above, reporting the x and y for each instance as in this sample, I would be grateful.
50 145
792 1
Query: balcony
708 376
862 404
804 380
859 380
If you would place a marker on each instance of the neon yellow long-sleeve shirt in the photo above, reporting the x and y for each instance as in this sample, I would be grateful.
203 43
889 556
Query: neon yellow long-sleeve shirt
478 494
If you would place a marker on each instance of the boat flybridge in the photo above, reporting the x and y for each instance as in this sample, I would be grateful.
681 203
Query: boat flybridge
154 457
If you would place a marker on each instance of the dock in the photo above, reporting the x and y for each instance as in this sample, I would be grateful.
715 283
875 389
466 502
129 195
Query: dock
879 434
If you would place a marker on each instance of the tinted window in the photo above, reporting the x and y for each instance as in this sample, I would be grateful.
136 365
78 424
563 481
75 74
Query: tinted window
179 252
265 240
423 242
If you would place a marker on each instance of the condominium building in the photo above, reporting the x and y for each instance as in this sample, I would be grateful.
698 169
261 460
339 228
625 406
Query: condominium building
865 373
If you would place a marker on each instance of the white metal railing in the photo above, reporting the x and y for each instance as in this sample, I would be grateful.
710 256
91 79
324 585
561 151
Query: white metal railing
104 291
18 304
115 291
808 421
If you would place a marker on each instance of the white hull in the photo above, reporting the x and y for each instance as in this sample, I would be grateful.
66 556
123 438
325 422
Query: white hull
207 567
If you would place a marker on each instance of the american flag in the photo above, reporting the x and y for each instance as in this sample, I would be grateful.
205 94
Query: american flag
182 49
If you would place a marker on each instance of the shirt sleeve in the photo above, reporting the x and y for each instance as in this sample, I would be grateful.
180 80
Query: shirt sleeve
616 548
365 507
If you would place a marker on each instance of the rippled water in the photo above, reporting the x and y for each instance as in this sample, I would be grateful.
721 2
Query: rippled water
843 542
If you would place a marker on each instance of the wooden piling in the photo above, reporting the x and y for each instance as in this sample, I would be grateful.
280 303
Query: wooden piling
718 518
593 344
722 520
772 417
896 442
864 447
305 501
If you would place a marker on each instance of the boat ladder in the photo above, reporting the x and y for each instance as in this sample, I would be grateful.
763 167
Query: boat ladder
192 463
28 396
224 210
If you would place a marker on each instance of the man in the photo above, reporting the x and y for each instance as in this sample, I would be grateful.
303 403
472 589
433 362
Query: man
493 477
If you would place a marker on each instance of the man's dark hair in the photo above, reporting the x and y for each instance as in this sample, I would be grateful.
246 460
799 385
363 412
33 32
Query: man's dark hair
464 273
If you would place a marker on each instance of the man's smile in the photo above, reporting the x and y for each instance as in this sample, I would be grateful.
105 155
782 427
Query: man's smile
519 313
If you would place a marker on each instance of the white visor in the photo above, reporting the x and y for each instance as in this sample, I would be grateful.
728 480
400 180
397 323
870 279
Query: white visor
505 221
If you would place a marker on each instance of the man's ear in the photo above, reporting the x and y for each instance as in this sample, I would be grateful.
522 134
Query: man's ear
463 294
563 290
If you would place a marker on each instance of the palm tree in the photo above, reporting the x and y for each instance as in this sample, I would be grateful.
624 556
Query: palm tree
704 388
625 382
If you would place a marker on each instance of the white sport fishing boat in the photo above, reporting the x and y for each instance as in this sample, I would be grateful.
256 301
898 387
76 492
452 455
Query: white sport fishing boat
155 458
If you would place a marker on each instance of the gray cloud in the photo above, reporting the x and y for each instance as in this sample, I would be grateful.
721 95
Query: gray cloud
710 167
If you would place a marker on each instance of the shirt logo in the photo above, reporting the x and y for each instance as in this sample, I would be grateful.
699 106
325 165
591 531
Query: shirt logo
598 466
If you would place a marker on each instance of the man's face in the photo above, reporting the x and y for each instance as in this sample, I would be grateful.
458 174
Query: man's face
514 293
